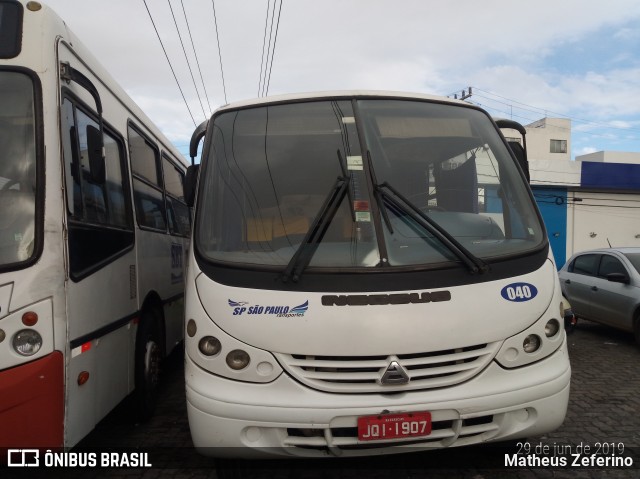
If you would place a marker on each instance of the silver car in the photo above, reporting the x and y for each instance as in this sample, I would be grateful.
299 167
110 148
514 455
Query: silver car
603 285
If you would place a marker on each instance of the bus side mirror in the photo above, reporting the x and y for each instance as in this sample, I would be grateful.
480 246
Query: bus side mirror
195 139
190 182
95 147
521 156
519 150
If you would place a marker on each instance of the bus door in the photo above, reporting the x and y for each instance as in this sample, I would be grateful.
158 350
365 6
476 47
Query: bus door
101 281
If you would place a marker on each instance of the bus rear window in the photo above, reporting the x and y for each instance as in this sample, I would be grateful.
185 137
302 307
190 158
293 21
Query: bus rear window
10 29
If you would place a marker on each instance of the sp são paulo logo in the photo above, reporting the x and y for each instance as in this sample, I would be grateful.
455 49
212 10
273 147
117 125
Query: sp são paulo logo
243 307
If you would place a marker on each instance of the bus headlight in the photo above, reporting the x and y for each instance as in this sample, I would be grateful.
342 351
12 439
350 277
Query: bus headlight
551 328
238 359
27 342
209 346
538 341
213 350
531 343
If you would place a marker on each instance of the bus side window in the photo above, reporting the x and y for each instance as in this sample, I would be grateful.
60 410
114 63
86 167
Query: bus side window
177 210
100 220
147 182
72 170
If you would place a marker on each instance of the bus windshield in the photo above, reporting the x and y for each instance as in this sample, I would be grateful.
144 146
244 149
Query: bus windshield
17 168
429 184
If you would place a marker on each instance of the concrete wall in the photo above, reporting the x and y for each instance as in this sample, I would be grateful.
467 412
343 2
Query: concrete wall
598 219
539 136
611 157
587 205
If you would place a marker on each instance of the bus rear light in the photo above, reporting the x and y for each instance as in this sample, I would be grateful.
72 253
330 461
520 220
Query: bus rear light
83 377
531 343
209 346
29 318
238 359
27 342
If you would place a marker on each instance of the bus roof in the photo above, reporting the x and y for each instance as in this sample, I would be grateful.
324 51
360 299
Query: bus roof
338 94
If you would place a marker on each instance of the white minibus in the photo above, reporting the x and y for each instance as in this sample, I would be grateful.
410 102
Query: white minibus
369 274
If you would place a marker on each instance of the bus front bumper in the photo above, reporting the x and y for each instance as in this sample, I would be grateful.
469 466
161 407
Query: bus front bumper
32 404
284 418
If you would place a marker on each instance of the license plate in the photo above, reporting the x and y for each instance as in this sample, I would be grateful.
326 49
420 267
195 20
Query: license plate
394 426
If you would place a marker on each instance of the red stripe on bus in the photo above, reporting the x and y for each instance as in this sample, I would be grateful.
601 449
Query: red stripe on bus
32 404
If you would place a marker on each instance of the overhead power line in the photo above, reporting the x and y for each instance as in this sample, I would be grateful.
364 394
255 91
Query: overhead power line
195 54
215 21
273 51
264 82
264 42
169 61
543 111
528 119
186 57
267 60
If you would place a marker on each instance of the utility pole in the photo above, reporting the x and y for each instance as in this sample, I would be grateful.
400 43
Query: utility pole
464 94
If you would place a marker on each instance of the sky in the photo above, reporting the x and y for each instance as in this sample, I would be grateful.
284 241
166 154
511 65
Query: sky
523 60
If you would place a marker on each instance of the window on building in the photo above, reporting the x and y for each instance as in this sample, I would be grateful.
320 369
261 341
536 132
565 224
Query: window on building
558 146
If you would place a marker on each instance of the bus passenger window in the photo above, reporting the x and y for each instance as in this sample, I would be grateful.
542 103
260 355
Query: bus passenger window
100 220
147 182
177 211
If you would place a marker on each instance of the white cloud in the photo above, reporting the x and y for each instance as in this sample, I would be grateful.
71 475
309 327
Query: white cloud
432 47
586 150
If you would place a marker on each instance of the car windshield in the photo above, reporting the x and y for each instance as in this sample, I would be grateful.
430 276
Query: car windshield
17 168
634 259
270 168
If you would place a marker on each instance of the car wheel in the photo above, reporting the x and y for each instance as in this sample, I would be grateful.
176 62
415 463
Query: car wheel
636 328
147 367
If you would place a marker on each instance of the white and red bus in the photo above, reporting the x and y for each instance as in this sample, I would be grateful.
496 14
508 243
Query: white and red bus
93 231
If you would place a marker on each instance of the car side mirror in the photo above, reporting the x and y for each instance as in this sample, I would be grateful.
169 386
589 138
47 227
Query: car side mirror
618 278
190 183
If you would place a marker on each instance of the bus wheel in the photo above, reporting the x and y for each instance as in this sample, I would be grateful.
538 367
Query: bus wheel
147 367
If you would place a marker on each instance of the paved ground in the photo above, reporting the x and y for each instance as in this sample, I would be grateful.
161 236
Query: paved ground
604 409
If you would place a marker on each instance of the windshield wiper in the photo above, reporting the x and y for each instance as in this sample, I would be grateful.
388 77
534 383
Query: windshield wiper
313 238
346 174
385 192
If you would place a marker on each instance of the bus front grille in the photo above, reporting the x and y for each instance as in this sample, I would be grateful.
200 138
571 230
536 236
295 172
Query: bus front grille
445 432
365 374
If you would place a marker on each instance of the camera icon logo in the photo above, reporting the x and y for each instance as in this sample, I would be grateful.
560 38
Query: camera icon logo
23 458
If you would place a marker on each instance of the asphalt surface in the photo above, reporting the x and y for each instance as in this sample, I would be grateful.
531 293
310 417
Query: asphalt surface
603 417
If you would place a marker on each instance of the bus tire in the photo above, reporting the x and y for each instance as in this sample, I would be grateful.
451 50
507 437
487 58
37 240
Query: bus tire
147 367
